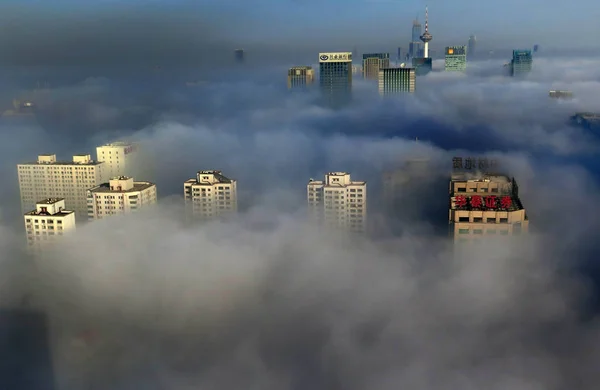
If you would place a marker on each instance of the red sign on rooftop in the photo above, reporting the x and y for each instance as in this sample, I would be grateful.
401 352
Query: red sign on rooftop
478 202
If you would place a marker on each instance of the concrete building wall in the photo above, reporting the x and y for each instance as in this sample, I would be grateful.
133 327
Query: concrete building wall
120 195
210 195
48 223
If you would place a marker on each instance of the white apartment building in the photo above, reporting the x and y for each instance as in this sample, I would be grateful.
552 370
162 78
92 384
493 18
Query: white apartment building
338 201
210 194
47 222
119 196
119 158
69 180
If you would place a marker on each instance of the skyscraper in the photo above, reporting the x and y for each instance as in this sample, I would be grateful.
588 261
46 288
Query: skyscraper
119 196
472 47
456 59
335 78
210 195
68 180
338 201
422 65
300 77
521 62
414 47
396 80
399 57
373 62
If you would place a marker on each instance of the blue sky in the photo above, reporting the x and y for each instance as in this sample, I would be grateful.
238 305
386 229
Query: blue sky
341 24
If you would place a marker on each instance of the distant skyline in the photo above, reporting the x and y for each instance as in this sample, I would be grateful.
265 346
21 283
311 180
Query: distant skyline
173 28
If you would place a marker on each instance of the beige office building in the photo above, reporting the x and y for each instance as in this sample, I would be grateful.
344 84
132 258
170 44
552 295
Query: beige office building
48 222
120 159
119 196
484 205
210 195
372 63
300 76
68 180
338 202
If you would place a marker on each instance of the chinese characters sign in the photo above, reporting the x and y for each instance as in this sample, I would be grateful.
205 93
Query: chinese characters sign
478 202
335 57
469 163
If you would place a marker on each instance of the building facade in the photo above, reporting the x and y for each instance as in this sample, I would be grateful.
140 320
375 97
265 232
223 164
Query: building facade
68 180
48 222
119 158
415 47
335 78
456 59
373 62
521 63
422 66
485 205
210 195
396 80
338 202
119 196
300 77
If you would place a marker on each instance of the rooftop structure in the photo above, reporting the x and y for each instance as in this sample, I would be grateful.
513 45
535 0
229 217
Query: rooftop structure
48 221
485 204
210 195
338 201
119 196
300 76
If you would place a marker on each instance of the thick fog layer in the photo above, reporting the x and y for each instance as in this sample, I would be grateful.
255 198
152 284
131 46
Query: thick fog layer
267 301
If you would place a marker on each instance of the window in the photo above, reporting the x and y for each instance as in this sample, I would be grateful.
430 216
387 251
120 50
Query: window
503 220
491 220
461 189
463 219
463 231
478 231
478 220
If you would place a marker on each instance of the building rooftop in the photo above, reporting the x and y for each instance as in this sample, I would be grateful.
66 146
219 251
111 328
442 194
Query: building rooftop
480 177
62 213
50 201
137 186
301 67
119 143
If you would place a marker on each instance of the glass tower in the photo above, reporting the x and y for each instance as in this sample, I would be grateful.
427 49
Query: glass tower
335 78
396 80
456 59
521 63
472 46
373 62
300 77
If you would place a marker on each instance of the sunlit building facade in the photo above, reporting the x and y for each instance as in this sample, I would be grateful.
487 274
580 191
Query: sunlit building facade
485 205
210 195
373 62
396 80
120 195
338 202
47 223
300 77
456 59
68 180
119 158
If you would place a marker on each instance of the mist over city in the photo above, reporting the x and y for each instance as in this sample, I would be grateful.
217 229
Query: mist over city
420 288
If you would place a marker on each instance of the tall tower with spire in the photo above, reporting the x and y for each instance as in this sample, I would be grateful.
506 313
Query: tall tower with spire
426 37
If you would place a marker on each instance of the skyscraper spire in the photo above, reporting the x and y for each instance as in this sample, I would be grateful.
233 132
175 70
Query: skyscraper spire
426 37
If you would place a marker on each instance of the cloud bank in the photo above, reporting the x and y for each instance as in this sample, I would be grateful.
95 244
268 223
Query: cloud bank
269 302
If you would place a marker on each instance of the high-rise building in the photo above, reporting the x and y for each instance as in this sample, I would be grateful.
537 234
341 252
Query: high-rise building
456 59
119 158
300 76
396 80
373 62
560 94
399 57
422 65
338 202
210 195
414 50
536 47
49 178
472 45
239 55
521 63
335 78
414 47
485 204
119 196
50 220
